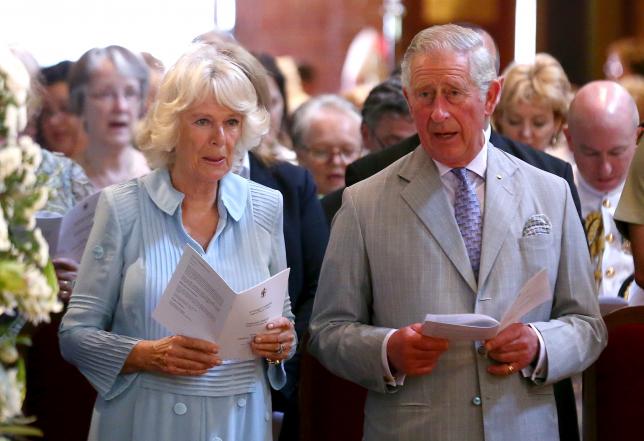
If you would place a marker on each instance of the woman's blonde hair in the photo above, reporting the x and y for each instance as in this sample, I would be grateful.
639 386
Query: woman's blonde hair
201 73
543 82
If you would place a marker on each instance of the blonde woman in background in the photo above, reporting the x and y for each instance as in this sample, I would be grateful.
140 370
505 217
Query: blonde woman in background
534 105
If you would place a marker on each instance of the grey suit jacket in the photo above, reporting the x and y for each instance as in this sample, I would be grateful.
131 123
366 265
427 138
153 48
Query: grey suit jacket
396 254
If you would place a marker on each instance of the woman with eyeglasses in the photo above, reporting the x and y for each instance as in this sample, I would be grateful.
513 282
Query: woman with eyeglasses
326 137
108 87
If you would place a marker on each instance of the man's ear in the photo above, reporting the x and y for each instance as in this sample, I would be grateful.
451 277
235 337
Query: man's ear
492 96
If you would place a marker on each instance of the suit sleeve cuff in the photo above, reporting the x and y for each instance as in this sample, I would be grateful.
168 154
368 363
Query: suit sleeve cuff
538 372
391 380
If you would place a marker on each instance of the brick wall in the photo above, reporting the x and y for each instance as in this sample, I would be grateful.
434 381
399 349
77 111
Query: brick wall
316 32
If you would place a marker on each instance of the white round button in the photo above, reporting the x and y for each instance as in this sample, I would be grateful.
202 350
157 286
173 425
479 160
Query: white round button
180 408
241 402
98 252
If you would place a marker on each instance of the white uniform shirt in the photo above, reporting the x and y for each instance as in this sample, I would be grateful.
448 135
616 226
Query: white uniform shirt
617 259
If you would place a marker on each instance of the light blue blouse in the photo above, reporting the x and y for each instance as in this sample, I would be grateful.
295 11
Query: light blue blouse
133 249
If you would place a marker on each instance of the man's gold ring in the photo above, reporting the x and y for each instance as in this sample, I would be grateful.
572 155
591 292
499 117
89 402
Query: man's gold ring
510 368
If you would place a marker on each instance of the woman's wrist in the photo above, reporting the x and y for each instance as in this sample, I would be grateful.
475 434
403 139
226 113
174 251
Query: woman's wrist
135 361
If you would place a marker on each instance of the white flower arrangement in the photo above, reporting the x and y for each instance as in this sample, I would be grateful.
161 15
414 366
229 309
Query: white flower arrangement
28 286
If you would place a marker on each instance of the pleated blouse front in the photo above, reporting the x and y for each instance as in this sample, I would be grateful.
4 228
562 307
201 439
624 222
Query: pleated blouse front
135 245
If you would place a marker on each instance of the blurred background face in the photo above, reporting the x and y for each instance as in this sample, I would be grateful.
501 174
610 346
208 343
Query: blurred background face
530 123
61 130
112 107
603 152
332 142
390 129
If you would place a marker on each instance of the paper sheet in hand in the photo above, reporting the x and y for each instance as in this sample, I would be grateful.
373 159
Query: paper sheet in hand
535 292
198 303
67 235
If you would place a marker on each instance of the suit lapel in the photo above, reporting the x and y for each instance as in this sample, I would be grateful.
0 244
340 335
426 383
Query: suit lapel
502 196
426 197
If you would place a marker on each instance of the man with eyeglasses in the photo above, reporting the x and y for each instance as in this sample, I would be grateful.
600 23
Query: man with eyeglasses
326 138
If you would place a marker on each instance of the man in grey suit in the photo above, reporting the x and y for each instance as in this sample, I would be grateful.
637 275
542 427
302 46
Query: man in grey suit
456 226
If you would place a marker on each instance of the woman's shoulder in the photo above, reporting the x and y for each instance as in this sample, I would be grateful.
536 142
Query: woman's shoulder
124 199
124 190
262 195
266 204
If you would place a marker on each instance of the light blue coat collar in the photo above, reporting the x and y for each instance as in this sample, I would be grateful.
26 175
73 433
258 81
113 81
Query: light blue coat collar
233 192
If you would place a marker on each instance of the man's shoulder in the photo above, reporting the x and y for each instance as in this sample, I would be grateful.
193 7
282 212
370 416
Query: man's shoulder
536 176
388 181
530 155
374 162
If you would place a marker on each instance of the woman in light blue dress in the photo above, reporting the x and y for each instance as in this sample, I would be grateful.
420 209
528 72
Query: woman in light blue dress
153 385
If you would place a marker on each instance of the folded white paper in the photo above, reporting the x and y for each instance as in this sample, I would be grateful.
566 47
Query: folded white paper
67 235
198 303
535 292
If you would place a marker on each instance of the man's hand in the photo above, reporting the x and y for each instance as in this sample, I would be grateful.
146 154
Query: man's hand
411 353
514 348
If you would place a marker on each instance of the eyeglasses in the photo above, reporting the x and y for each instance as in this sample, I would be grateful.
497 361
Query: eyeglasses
130 94
347 155
389 140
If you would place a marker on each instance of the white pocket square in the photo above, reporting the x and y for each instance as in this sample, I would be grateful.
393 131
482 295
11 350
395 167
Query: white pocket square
537 225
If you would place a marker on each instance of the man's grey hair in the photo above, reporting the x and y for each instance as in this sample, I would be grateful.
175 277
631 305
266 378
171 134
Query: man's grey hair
301 120
458 39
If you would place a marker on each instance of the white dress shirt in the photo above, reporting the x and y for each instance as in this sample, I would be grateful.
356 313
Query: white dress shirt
617 258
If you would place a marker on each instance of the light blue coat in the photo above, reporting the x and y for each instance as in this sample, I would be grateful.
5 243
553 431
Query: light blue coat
133 249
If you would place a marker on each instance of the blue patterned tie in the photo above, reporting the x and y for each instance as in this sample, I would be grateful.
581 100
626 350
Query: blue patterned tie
468 217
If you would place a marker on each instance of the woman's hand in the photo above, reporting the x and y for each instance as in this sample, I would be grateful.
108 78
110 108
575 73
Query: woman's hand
66 273
276 343
174 355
